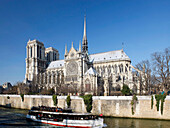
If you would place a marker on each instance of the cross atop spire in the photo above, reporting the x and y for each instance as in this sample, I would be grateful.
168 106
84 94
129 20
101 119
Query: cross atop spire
122 45
84 42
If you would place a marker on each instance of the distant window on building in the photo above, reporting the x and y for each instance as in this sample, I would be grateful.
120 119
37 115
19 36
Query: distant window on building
37 51
87 85
40 52
47 56
55 56
31 51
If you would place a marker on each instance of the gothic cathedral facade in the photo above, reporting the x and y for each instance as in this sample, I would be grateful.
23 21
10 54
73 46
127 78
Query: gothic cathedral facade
97 74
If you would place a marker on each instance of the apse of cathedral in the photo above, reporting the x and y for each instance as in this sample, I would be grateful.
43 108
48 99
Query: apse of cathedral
97 74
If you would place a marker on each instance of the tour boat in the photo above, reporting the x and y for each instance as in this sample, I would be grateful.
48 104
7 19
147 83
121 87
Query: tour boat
65 118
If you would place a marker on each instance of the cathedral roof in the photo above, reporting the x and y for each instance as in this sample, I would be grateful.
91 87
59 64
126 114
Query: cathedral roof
109 56
91 71
56 64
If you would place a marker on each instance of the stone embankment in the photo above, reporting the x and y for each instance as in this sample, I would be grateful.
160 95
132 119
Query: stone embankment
115 106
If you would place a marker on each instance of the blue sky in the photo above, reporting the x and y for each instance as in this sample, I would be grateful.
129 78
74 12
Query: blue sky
143 26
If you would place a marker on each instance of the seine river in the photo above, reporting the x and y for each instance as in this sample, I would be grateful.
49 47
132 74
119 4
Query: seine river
15 118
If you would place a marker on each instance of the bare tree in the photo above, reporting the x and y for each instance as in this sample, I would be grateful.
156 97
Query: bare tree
22 88
145 78
47 91
34 85
64 89
12 90
161 63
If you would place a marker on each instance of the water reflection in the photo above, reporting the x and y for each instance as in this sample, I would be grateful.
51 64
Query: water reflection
135 123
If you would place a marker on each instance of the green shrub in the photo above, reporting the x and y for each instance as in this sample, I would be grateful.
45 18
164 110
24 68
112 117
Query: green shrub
125 90
88 102
55 100
151 102
132 110
158 98
162 102
134 100
68 101
22 97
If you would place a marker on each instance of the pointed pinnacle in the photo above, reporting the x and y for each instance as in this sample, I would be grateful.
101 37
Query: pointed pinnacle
66 50
72 44
80 46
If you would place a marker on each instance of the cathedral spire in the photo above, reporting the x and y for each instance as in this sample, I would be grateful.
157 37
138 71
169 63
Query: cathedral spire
80 46
85 43
66 52
72 44
84 35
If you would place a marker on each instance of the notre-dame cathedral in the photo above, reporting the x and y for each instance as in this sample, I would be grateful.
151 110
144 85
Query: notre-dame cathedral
97 74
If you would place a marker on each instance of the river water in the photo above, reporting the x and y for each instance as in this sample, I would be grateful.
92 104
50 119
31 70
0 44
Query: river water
16 118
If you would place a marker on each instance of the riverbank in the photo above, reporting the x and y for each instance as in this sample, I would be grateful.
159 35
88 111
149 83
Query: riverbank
111 106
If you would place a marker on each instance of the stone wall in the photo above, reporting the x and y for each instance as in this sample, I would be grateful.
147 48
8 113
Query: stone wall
116 106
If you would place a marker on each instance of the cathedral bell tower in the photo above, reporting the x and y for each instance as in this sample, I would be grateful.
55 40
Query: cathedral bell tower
35 61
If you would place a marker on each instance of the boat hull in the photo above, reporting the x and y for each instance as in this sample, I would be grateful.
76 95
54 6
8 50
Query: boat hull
70 123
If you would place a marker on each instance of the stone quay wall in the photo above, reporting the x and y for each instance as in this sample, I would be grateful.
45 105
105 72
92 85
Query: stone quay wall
115 106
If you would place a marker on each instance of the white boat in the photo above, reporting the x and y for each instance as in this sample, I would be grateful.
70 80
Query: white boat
64 119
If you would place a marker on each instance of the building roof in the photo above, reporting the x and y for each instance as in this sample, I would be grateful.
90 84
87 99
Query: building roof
35 41
51 49
91 71
99 57
109 56
56 64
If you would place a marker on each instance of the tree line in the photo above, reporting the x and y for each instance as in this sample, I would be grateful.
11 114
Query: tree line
157 75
